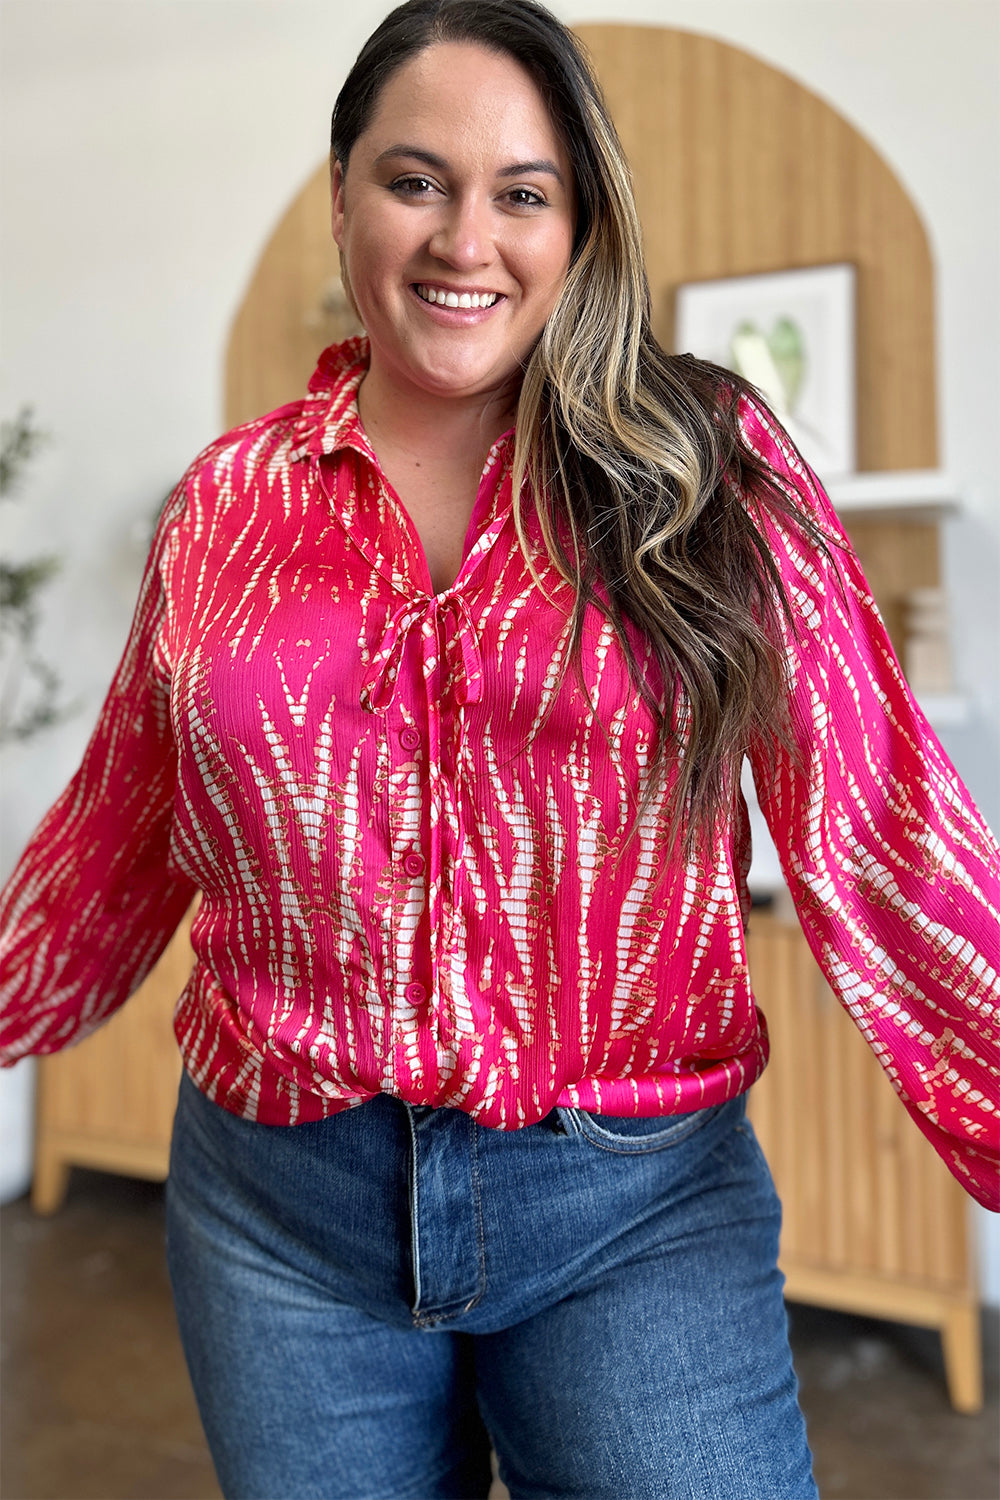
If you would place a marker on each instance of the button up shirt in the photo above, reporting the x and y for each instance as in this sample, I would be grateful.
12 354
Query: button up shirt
409 838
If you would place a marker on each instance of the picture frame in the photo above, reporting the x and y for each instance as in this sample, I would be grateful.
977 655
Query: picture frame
792 335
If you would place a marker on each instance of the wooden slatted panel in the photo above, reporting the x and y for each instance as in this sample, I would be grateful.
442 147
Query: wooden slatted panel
110 1101
281 328
863 1191
738 169
840 1132
897 556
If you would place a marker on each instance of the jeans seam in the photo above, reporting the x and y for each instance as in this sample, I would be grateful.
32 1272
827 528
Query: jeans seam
480 1232
436 1315
414 1214
647 1145
643 1149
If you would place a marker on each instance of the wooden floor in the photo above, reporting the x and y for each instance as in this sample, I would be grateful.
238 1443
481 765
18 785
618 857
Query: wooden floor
96 1403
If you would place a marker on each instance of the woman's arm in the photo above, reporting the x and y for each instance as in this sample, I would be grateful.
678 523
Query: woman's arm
894 874
95 896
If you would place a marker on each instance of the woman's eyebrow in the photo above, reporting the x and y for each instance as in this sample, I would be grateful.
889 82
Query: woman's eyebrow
522 168
414 153
430 159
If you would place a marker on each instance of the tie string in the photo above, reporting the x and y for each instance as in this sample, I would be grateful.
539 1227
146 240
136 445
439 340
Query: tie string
448 636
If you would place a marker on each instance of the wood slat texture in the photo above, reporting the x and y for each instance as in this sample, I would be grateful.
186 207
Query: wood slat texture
738 169
886 1203
873 1220
281 328
110 1101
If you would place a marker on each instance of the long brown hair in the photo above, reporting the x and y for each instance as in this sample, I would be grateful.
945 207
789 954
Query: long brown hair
640 450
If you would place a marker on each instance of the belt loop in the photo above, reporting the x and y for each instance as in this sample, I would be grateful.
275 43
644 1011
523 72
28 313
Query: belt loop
564 1120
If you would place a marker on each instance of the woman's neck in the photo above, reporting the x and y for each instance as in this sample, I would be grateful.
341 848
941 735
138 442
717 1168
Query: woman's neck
429 430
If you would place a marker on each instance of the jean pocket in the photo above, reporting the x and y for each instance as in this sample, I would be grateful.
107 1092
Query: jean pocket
630 1134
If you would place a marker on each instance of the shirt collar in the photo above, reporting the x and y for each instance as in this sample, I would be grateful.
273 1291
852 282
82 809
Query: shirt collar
329 419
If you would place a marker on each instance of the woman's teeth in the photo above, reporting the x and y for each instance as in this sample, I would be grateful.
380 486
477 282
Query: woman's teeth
456 299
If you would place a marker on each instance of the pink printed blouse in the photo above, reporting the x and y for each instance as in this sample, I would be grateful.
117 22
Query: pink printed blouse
410 847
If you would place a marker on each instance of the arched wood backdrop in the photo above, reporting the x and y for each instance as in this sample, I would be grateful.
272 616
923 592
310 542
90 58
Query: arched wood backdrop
738 169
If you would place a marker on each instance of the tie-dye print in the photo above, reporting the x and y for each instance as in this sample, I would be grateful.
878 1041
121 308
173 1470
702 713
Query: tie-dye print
410 847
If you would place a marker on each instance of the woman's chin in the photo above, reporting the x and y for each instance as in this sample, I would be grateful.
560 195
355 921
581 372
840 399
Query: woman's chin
455 379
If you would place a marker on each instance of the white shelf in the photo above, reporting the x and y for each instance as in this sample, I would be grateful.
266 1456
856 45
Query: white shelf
945 710
905 494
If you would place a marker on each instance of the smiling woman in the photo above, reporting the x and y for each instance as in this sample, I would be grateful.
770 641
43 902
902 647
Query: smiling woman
460 1158
456 228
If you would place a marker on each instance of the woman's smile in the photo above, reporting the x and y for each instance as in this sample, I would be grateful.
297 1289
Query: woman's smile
451 297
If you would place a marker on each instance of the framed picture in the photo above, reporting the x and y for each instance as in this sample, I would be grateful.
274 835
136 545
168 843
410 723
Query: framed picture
791 334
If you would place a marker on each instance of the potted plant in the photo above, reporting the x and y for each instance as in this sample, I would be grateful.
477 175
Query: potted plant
29 704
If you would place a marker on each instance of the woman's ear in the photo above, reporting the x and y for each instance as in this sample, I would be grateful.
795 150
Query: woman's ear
337 203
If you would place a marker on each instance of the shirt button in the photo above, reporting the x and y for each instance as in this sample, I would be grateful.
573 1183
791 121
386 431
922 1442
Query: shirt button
416 993
410 737
413 864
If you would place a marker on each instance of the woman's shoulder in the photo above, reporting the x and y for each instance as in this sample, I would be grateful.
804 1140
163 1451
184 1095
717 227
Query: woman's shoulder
752 445
244 451
263 446
764 437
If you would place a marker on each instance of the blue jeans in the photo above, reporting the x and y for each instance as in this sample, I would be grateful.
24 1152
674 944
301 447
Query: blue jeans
368 1303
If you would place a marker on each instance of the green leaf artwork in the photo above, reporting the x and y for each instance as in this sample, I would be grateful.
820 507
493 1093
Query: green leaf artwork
775 362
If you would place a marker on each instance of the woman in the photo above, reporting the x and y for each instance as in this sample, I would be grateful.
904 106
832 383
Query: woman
437 694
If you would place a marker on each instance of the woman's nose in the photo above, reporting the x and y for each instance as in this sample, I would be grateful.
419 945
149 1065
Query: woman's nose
464 237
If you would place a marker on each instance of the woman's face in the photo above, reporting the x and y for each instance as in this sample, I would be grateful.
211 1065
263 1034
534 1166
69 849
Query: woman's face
458 193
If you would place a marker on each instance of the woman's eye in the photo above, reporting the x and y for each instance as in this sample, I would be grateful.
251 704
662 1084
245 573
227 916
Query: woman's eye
412 187
523 197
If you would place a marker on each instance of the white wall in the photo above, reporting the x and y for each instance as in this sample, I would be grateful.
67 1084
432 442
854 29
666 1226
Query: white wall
148 146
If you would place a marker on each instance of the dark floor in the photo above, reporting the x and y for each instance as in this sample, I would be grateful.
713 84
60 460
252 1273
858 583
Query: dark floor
97 1406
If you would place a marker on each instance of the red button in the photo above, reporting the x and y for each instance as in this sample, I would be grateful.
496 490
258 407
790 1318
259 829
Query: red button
410 737
413 864
416 993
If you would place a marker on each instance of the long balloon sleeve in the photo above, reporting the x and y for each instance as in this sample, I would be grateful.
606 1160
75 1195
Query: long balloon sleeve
894 875
96 895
